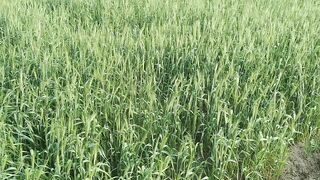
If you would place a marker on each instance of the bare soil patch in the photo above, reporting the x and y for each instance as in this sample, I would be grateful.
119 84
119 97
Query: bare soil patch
302 165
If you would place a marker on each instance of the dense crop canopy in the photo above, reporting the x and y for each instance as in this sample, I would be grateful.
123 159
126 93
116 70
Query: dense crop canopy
148 89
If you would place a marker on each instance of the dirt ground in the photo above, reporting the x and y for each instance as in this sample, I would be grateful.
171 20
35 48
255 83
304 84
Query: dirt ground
302 166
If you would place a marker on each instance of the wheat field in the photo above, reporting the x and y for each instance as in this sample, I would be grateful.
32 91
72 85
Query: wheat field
147 89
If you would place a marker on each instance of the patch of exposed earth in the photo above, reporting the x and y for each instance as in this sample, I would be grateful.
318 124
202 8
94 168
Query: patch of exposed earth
302 165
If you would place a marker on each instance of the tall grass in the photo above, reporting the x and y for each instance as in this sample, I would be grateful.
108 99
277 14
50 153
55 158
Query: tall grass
147 89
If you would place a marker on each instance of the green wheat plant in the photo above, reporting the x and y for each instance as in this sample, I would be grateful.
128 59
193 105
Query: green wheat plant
147 89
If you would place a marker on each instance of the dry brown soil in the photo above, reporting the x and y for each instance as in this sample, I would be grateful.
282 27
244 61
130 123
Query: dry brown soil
302 165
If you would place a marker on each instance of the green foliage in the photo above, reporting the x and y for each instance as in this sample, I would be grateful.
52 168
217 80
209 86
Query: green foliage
148 89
